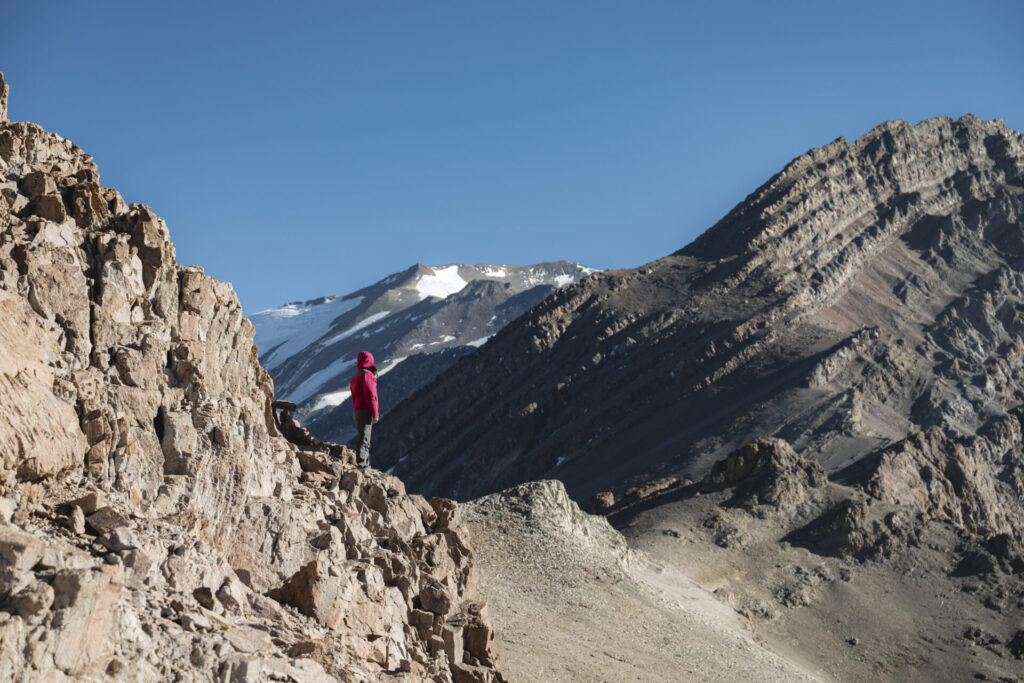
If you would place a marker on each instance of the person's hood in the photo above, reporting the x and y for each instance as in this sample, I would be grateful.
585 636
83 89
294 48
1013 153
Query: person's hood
365 361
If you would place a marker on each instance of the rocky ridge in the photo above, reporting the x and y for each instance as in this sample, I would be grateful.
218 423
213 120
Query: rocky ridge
863 304
154 523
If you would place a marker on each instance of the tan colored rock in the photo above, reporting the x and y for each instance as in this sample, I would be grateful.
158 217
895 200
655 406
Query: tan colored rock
76 520
50 207
84 618
118 539
18 549
39 433
767 472
90 502
7 508
248 640
32 602
434 598
106 519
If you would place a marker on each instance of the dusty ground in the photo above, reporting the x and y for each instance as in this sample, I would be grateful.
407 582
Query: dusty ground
901 618
571 603
707 591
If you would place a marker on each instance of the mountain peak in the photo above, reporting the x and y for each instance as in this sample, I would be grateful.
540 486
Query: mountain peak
418 322
816 310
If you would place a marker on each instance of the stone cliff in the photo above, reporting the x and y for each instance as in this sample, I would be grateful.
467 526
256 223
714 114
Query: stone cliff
154 524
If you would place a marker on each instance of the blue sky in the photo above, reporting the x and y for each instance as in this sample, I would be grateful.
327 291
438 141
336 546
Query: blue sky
303 149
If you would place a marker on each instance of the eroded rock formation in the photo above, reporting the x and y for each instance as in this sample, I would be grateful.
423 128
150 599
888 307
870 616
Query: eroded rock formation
155 523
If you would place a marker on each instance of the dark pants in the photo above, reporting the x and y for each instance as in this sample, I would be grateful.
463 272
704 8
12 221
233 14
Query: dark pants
364 423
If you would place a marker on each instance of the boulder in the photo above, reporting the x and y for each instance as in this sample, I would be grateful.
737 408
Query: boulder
105 520
766 472
32 602
82 626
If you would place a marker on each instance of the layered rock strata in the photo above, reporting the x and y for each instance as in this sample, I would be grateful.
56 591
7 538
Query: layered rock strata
864 304
155 524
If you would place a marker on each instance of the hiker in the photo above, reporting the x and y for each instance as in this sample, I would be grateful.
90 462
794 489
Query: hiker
364 405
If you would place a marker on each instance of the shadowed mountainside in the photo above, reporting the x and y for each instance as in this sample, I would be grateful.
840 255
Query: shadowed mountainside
865 304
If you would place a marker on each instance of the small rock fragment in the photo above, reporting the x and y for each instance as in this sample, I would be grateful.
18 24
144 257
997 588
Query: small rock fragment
76 520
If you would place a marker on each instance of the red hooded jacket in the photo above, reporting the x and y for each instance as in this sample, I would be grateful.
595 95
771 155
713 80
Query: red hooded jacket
364 385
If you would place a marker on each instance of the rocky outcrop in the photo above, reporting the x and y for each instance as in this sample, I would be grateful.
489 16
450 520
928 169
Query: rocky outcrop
544 508
767 472
975 482
869 291
156 524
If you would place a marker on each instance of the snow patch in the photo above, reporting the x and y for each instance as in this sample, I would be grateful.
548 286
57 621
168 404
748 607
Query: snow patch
365 322
442 284
477 343
316 380
563 280
488 271
294 327
331 399
336 398
392 364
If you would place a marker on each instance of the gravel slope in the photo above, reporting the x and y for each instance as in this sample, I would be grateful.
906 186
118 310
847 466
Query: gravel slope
571 603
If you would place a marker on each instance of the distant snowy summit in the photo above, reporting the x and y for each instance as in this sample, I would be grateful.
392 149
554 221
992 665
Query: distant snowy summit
424 318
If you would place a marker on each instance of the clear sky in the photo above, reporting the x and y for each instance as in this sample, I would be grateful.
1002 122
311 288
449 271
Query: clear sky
303 149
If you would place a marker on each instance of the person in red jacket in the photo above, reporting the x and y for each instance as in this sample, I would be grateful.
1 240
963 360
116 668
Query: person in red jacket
364 405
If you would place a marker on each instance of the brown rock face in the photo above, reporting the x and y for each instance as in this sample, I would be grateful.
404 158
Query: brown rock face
146 488
868 292
974 482
768 472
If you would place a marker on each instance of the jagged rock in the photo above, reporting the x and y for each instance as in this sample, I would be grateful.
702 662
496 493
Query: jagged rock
4 90
32 602
434 598
195 622
767 472
963 480
855 528
248 640
600 503
118 539
84 618
106 519
18 549
232 595
7 508
90 502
